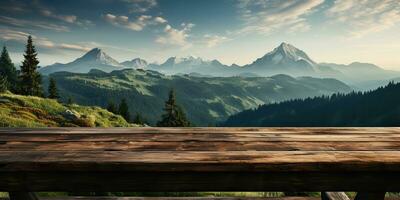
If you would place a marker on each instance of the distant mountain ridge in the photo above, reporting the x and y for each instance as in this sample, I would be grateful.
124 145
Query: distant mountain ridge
284 59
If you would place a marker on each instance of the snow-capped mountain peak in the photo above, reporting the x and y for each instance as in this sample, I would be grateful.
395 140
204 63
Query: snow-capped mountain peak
99 56
136 63
286 58
287 51
189 60
93 59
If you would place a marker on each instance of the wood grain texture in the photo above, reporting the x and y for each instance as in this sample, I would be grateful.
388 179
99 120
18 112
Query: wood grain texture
200 159
196 161
197 146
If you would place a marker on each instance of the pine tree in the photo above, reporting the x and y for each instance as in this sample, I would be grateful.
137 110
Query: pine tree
138 119
70 101
112 108
52 90
7 70
3 84
123 110
174 115
30 79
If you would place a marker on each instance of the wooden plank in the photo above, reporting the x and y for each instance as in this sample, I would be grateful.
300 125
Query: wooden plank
197 182
205 137
198 146
250 161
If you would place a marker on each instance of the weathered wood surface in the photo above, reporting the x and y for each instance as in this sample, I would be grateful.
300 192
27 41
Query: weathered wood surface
200 159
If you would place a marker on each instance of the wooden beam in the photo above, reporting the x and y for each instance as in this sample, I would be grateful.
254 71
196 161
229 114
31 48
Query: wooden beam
196 182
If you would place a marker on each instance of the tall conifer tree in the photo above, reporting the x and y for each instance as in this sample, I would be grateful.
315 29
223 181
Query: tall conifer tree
30 79
123 110
138 119
112 107
52 90
174 115
7 70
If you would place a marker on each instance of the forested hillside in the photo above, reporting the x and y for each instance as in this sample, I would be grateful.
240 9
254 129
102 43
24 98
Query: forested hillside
205 100
374 108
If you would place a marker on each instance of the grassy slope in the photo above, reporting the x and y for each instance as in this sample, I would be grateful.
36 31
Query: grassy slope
27 111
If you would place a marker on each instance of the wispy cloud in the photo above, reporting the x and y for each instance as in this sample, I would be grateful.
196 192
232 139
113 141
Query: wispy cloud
176 37
140 6
21 37
22 23
265 16
366 16
136 25
72 19
214 40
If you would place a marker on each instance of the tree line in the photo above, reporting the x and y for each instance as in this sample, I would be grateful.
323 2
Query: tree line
173 116
28 81
379 107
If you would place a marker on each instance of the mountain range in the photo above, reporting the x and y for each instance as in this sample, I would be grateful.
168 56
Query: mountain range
284 59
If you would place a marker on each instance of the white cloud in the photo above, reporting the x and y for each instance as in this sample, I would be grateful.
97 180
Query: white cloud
72 19
140 6
214 40
160 20
65 18
136 25
21 37
265 16
366 16
35 24
176 37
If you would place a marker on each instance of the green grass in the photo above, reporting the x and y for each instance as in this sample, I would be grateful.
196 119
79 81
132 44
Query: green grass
28 111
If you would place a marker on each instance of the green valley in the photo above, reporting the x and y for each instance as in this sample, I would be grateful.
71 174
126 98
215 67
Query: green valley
206 100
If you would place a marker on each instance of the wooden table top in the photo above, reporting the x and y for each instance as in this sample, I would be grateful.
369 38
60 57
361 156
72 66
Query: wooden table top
200 149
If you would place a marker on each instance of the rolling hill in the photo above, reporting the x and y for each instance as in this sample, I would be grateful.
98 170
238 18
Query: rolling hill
206 100
28 111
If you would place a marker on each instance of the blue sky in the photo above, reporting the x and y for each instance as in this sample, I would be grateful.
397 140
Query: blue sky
232 31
